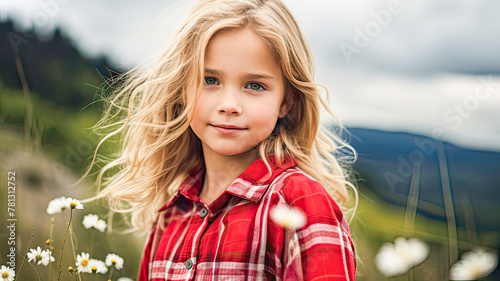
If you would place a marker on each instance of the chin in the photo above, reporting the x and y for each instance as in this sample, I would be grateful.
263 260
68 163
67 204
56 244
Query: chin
233 151
229 152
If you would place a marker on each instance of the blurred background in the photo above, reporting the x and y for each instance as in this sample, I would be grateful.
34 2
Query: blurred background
416 84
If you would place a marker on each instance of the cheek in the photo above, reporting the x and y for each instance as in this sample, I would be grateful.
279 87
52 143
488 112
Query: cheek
200 110
266 118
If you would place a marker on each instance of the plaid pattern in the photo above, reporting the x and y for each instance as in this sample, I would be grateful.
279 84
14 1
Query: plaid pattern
237 240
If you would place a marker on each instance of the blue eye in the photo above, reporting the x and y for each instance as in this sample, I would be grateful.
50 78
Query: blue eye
255 87
211 81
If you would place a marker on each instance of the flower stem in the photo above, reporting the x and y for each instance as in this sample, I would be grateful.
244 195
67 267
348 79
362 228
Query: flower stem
111 272
64 242
92 241
51 231
24 257
73 246
38 273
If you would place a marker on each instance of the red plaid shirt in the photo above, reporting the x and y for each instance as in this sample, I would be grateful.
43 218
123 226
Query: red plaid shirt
235 239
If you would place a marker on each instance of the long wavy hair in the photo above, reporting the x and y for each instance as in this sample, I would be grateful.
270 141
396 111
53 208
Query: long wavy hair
152 109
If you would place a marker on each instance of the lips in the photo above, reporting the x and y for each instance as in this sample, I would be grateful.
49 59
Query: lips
227 129
226 126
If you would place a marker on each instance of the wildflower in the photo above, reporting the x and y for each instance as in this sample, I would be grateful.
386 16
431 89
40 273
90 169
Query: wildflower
73 203
97 266
71 269
82 263
91 220
114 259
6 273
288 217
398 258
40 257
474 264
56 206
125 279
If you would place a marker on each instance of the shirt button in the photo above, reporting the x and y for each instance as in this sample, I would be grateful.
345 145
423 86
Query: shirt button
203 213
189 264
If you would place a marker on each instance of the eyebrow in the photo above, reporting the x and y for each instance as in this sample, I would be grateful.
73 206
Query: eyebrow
247 75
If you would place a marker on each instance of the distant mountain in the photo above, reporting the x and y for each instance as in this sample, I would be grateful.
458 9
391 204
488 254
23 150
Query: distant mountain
54 69
389 161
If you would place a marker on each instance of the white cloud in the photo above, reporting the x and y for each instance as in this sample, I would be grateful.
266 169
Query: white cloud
464 107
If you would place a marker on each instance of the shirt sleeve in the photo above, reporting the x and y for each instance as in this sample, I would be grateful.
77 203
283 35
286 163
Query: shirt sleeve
322 249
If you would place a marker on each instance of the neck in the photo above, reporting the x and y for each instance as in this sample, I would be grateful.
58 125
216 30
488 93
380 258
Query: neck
221 171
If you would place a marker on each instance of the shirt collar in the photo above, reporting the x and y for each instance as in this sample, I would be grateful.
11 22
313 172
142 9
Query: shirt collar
251 184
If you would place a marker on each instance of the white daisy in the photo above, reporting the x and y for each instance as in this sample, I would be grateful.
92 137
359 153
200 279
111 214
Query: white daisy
92 220
114 259
51 257
40 257
97 266
57 205
125 279
291 218
73 203
100 225
82 263
398 258
6 273
474 265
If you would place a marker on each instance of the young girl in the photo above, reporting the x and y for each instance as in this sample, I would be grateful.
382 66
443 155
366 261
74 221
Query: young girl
223 130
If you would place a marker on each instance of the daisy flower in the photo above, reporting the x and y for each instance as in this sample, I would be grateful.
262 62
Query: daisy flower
6 273
82 263
125 279
40 257
92 220
97 266
474 265
291 218
100 225
73 203
398 258
57 205
114 259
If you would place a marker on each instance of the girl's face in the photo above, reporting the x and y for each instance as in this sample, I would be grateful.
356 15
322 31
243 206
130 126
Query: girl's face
242 95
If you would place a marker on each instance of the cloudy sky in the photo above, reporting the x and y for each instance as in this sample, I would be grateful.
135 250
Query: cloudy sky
426 67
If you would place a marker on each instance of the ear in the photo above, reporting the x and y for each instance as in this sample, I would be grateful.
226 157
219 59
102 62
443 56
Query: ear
288 101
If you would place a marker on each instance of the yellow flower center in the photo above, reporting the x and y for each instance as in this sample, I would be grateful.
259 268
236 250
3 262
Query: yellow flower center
72 205
113 261
5 275
94 268
85 262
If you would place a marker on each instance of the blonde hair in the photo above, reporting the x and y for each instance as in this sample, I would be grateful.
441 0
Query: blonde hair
155 111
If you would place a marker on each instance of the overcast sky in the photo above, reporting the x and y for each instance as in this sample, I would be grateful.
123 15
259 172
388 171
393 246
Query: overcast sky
415 66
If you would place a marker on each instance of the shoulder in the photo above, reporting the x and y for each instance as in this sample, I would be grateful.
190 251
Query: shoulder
325 236
298 189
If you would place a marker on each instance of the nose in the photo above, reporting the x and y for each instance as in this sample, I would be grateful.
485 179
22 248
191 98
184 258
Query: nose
229 103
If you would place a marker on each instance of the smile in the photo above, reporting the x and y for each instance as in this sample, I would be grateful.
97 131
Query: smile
227 129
